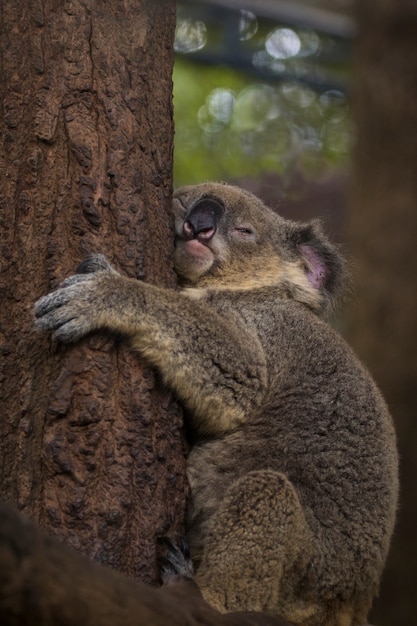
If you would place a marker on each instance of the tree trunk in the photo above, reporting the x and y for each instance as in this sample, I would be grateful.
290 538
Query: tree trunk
383 232
90 445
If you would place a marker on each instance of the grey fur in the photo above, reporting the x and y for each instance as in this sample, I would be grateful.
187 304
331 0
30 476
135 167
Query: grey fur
293 470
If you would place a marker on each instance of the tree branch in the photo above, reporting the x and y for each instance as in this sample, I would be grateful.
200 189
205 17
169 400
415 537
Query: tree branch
45 582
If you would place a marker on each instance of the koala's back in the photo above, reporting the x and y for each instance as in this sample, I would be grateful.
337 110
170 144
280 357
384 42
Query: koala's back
324 424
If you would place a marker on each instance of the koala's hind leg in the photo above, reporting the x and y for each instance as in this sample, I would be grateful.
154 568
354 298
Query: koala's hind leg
257 543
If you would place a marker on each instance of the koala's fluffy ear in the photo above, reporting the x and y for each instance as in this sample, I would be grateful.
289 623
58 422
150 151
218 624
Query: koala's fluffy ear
325 267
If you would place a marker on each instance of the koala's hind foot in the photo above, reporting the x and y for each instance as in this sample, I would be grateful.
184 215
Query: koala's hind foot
257 539
174 558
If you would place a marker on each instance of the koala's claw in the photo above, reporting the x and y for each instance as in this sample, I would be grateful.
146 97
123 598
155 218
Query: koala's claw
174 557
71 331
64 326
95 263
63 295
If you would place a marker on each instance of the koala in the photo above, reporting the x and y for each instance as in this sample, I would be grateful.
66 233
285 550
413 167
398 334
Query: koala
293 463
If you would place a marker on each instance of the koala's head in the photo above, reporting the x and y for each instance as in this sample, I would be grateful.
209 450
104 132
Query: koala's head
226 238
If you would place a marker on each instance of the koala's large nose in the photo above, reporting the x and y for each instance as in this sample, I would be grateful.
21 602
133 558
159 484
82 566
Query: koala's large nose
202 220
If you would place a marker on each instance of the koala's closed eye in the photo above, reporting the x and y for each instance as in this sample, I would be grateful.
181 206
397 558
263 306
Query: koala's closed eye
245 233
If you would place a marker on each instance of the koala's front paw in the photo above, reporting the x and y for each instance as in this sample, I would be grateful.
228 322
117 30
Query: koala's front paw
70 312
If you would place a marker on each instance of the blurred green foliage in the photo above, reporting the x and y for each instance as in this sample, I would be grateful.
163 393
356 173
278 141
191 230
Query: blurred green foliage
228 126
283 110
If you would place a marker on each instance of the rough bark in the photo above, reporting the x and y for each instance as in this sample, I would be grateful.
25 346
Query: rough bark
44 582
90 445
383 227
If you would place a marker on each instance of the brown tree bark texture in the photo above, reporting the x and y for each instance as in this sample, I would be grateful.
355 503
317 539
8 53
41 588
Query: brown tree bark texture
45 583
383 229
90 445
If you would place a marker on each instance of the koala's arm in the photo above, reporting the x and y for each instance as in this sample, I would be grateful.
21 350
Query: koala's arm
216 368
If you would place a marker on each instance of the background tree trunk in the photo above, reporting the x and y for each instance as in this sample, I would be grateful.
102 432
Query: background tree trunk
90 446
383 228
43 582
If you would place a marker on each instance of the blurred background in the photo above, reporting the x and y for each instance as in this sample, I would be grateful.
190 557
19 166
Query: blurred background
263 98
